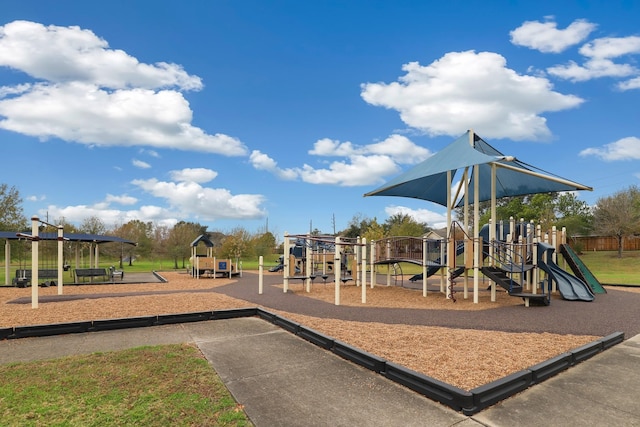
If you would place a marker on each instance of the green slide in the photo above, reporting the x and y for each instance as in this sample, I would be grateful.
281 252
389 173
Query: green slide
580 269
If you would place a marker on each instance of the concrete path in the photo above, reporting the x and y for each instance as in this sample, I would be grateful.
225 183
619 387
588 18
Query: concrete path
283 380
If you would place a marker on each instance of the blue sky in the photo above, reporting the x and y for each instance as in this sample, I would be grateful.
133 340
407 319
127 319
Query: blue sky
248 113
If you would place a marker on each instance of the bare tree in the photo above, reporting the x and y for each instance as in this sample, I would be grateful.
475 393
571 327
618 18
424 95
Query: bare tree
618 215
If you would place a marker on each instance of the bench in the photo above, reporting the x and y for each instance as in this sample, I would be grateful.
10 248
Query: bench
23 276
84 273
116 273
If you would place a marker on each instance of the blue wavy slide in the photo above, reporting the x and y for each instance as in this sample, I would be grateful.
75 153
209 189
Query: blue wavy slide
570 287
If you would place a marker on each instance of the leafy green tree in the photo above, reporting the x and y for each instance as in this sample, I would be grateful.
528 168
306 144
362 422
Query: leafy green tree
11 212
160 238
546 209
573 214
180 238
374 231
357 226
264 244
404 225
618 215
139 232
237 244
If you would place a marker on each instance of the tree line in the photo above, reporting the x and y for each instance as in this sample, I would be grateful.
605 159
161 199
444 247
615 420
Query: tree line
615 215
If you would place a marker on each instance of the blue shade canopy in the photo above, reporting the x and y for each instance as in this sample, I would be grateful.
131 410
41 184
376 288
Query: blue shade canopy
428 180
71 237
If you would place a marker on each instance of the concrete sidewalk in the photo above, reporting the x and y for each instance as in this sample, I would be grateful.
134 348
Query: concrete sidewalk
283 380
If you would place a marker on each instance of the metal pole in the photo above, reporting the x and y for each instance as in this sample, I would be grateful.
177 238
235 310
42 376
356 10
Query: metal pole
260 274
35 222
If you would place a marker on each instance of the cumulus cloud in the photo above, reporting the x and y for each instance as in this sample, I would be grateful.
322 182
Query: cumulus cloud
86 92
111 216
261 161
465 90
359 170
185 197
547 38
191 199
140 164
122 199
599 62
199 175
398 147
623 149
433 219
363 165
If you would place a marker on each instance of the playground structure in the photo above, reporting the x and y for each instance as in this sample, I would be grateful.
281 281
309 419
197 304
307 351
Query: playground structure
46 251
310 257
207 265
54 270
522 259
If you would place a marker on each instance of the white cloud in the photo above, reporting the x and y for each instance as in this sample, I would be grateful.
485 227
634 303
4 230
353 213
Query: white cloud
630 84
599 63
363 165
123 199
191 199
152 153
199 175
65 54
623 149
94 95
399 148
433 219
261 161
359 170
611 47
547 38
111 217
140 164
469 90
594 68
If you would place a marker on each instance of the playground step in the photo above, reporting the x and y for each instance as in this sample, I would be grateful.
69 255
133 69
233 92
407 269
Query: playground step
501 278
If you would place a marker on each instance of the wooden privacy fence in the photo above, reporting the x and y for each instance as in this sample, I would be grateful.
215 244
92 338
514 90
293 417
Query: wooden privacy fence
604 243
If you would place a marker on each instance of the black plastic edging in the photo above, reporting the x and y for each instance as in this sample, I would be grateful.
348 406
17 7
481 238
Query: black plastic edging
362 358
498 390
159 277
286 324
551 367
47 330
317 338
585 352
234 313
5 333
122 323
611 340
266 315
168 319
439 391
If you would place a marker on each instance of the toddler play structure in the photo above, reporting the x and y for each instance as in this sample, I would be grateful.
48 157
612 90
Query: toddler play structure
207 265
522 259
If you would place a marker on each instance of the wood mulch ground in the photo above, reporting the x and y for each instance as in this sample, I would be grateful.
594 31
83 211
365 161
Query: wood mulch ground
465 358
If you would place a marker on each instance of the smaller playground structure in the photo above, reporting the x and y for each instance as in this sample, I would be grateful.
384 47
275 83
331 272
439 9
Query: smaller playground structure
207 265
522 260
47 263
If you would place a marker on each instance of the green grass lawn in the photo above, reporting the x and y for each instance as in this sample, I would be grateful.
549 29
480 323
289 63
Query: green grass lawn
150 386
609 269
605 265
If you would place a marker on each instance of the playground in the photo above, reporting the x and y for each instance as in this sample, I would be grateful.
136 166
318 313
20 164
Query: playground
429 335
481 335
